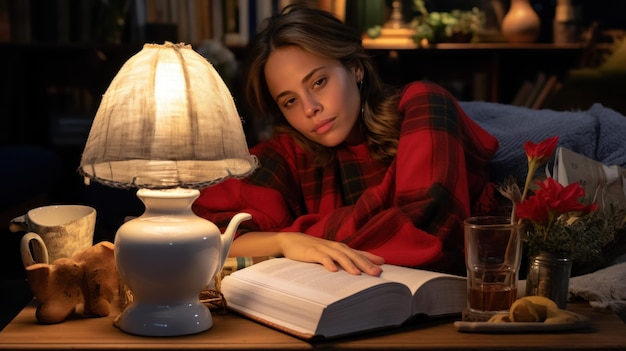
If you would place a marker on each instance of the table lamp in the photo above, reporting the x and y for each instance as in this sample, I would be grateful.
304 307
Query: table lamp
168 126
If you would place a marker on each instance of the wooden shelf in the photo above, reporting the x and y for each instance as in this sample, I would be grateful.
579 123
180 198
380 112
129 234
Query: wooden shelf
399 43
473 71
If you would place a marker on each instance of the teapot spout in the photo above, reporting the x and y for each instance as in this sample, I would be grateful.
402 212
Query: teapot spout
229 235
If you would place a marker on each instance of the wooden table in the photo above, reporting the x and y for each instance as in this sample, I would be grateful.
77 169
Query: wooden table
232 332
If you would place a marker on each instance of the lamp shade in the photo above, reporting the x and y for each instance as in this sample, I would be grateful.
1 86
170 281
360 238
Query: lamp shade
167 120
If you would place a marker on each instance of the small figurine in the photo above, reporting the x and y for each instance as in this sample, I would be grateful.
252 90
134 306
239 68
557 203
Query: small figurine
89 278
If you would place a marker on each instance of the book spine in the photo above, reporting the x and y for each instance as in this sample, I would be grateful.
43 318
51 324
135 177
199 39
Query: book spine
5 21
545 92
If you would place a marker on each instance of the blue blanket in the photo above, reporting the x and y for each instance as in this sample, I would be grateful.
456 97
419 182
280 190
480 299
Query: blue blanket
598 133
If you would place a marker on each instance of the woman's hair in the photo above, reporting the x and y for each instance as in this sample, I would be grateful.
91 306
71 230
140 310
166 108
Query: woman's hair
322 34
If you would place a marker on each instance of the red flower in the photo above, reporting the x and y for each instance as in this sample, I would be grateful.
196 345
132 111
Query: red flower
534 209
541 152
552 200
537 155
559 198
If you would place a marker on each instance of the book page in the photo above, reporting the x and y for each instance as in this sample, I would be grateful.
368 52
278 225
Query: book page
310 280
434 293
413 278
307 299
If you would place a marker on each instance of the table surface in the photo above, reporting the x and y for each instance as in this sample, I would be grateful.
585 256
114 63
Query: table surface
232 332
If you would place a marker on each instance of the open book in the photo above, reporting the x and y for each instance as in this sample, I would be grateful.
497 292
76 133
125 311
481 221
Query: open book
308 301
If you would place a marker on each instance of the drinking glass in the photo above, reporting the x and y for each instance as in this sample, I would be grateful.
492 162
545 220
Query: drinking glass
493 250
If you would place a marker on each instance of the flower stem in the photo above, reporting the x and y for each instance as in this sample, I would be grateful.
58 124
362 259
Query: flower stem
532 168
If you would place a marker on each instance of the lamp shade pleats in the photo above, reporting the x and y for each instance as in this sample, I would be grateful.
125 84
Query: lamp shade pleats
167 120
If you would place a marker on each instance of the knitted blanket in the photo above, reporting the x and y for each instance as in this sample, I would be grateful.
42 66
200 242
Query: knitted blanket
604 288
597 133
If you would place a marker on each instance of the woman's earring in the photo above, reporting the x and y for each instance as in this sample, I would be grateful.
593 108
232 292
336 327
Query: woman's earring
360 84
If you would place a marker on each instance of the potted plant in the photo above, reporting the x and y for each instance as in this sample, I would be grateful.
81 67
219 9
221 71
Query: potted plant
439 27
558 228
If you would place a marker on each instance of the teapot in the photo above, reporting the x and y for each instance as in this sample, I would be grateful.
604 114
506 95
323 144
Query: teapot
166 257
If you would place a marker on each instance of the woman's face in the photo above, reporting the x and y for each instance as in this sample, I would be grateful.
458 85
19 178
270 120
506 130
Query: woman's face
319 97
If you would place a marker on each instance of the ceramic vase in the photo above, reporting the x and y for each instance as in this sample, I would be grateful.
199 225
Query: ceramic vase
548 276
567 27
521 23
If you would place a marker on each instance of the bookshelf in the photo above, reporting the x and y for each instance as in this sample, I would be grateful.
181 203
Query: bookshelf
476 71
57 58
56 70
50 86
49 96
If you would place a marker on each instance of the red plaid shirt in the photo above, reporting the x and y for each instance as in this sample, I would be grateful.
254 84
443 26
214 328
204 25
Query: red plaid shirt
410 212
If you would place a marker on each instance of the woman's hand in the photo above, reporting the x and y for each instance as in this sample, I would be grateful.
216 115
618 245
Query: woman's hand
306 248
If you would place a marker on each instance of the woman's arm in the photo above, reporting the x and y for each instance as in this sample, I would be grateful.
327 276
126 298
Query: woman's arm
303 247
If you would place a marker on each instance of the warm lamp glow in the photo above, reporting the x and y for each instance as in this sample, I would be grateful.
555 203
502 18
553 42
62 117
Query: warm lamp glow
167 120
167 125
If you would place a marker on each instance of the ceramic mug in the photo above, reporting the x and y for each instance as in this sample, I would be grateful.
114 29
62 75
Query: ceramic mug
55 231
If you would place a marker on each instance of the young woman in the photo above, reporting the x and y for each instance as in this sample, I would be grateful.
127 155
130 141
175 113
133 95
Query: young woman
357 173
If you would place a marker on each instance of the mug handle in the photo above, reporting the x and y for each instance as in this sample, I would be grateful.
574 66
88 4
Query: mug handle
39 253
18 224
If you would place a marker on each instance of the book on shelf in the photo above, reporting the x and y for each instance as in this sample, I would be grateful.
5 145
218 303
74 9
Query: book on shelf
522 93
545 92
310 302
236 13
537 86
5 21
534 93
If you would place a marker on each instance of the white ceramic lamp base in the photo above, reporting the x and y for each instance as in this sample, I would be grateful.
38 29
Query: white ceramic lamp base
166 257
153 320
